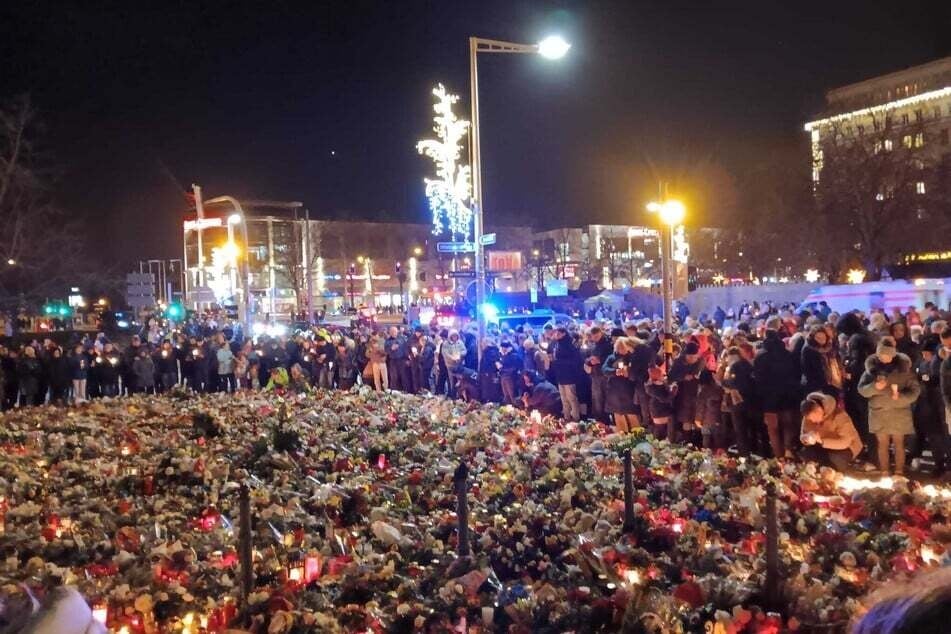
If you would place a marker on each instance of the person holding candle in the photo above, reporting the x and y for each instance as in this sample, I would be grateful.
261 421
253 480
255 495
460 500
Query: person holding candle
827 433
621 385
597 351
891 387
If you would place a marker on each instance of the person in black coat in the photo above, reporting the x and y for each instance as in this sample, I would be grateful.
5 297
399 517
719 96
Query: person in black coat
597 351
778 388
166 366
860 345
10 381
821 369
736 377
621 385
540 395
566 366
510 366
899 331
685 371
930 428
489 382
29 371
660 398
59 377
107 366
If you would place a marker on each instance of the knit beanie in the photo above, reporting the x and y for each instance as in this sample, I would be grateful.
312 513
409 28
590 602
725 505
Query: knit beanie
886 346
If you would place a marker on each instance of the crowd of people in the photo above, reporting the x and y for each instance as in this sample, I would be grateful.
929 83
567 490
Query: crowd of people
852 391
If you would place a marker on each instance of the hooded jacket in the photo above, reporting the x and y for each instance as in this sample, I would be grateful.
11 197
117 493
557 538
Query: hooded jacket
776 375
888 415
453 353
821 369
836 431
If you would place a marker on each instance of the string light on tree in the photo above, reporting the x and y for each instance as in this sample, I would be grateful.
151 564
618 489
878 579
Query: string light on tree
321 279
413 275
855 276
449 193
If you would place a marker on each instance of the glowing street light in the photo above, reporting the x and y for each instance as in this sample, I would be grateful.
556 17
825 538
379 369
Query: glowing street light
12 262
552 47
671 214
230 251
234 219
812 276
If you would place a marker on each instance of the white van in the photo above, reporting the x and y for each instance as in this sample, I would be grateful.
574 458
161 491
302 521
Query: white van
884 296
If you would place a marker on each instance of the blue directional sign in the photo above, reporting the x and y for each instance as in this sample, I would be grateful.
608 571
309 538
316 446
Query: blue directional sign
455 247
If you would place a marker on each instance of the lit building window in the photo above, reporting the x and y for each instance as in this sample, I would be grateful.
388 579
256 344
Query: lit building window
888 145
906 140
879 196
920 139
920 187
904 119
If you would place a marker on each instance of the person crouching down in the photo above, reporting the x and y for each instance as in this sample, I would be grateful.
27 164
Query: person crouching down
828 435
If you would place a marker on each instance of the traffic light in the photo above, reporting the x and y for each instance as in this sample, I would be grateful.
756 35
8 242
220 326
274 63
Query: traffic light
49 309
175 311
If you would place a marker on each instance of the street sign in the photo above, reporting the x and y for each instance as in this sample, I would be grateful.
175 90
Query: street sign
471 291
487 239
505 261
533 292
458 274
140 290
455 247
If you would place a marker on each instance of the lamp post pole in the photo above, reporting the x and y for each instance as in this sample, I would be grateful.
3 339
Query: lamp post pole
245 308
671 213
477 191
668 270
552 48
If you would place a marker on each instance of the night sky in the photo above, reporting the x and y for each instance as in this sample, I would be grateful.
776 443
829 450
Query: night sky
323 102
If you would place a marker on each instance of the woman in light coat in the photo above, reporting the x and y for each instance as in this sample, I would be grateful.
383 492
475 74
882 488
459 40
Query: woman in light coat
891 387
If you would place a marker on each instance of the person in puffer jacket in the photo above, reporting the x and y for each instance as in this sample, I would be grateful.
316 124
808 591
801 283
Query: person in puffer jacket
891 387
827 433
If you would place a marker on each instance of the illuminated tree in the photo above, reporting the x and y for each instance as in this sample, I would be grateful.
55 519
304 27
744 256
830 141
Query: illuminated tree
451 190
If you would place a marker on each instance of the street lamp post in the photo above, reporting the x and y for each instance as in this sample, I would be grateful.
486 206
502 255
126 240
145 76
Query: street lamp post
401 277
353 269
550 47
671 214
239 217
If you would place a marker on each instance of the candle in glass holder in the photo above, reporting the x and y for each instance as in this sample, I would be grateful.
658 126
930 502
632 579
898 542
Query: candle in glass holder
295 572
100 612
312 566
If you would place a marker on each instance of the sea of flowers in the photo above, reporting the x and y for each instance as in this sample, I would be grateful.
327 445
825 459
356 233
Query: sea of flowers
135 503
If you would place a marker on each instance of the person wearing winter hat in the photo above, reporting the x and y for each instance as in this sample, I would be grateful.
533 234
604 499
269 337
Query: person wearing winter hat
827 433
891 387
930 426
